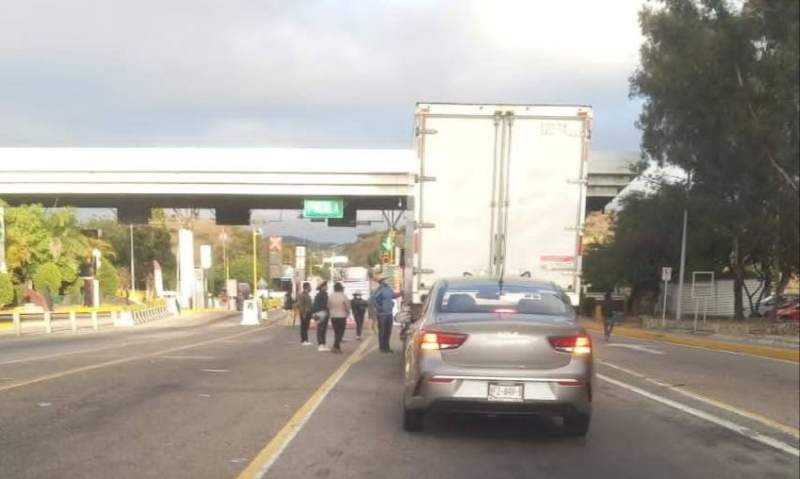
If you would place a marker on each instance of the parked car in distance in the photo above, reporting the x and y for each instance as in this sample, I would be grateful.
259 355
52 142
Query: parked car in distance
789 313
498 347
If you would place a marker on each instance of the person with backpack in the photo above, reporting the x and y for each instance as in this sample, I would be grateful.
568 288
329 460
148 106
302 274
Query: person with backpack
359 308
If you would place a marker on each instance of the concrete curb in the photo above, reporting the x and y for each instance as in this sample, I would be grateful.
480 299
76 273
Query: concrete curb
755 350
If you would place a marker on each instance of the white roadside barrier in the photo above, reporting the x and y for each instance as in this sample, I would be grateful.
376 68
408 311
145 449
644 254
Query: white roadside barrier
49 322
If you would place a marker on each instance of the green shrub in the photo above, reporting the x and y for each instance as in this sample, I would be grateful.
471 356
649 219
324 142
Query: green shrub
73 293
6 289
47 275
109 278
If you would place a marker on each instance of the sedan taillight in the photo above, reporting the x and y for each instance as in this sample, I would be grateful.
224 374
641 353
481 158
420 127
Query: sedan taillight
578 344
437 340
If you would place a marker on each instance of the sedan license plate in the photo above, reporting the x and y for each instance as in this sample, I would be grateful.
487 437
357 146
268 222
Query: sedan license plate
506 392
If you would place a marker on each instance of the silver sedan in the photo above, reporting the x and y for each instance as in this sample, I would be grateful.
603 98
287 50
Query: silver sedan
498 347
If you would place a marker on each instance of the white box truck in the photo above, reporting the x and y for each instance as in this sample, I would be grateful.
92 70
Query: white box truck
501 190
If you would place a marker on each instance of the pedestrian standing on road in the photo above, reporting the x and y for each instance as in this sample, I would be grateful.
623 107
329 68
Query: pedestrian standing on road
321 314
359 308
608 315
339 307
304 306
383 298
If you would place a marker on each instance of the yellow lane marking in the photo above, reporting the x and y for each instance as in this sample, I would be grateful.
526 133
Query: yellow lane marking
789 355
786 429
129 359
267 457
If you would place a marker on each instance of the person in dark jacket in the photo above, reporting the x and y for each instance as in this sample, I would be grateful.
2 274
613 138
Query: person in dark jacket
359 308
383 299
304 308
608 315
321 314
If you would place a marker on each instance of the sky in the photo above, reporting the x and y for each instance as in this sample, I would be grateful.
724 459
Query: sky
311 73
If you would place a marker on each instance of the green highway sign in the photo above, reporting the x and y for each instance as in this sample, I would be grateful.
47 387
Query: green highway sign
319 208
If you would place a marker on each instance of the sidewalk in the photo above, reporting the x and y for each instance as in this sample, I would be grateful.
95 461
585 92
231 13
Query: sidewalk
766 346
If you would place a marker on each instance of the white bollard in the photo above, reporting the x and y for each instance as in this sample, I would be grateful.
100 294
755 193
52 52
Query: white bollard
73 321
48 327
17 323
95 324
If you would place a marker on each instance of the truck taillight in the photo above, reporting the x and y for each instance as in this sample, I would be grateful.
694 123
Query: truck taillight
577 345
437 340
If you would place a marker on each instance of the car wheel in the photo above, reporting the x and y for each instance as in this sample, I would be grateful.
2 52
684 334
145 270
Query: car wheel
412 420
577 425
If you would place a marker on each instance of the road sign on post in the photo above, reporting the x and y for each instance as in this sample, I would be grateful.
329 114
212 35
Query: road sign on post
666 276
666 273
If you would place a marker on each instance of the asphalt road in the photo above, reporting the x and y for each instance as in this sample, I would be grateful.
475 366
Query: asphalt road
202 397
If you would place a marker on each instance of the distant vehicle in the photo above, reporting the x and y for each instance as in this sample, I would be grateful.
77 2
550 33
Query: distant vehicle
789 313
501 188
768 304
488 347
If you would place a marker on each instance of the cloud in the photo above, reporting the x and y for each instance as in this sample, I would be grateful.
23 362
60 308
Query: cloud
316 73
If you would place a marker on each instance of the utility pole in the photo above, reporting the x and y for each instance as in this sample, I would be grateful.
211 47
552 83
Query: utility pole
225 256
256 232
133 270
679 306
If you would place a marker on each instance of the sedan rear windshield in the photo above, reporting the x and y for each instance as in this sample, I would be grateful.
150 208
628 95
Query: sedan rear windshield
507 299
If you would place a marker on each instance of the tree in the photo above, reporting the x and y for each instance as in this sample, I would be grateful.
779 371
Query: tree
6 289
47 276
28 240
36 236
720 101
150 242
646 235
108 277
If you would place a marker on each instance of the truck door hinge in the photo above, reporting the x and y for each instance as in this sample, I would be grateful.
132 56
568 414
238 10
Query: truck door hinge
425 131
423 271
419 179
420 225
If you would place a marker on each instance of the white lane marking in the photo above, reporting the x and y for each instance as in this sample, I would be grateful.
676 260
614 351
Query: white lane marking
712 402
204 395
69 353
744 431
45 404
216 370
636 347
187 357
260 465
711 350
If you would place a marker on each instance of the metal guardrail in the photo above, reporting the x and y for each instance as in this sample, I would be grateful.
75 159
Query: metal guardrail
47 321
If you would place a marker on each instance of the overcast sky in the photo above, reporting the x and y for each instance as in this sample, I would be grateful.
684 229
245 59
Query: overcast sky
305 73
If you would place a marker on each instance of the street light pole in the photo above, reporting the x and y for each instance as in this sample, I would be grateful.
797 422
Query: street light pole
225 256
679 306
256 232
133 270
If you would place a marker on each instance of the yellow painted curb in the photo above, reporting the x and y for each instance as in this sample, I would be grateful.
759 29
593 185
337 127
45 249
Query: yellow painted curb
755 350
5 325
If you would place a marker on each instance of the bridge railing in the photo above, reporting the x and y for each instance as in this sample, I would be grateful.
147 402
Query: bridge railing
49 321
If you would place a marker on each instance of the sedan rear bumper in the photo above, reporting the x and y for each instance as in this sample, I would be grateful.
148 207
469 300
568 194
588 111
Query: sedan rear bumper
471 394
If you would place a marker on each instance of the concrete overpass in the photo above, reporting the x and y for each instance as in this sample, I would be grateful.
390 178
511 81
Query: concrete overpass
234 180
230 180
